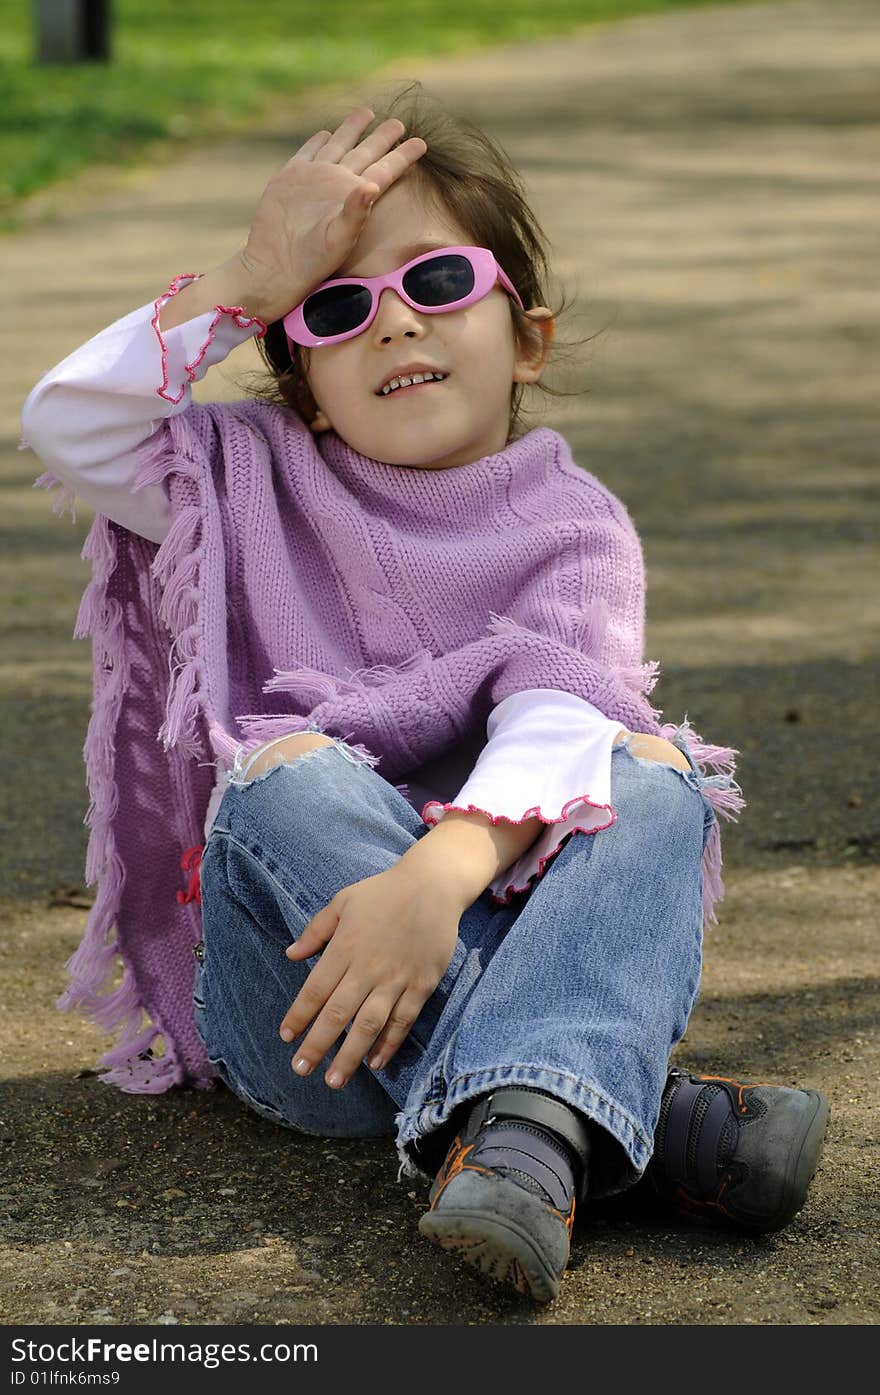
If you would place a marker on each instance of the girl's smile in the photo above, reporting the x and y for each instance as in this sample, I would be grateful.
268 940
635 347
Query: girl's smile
409 381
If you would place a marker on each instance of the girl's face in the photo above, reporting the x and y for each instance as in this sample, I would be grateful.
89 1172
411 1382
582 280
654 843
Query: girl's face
440 424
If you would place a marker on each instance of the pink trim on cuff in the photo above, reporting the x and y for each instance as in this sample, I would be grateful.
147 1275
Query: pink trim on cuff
534 812
510 890
242 320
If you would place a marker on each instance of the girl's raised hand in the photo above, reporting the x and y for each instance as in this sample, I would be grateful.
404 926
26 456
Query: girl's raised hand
312 211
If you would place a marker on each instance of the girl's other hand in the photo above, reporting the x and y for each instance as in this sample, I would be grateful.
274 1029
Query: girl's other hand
312 211
389 940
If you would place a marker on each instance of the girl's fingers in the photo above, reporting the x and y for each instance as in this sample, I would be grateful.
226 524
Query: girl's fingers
359 201
396 162
395 1031
350 1003
367 1025
374 145
311 147
346 135
316 935
312 998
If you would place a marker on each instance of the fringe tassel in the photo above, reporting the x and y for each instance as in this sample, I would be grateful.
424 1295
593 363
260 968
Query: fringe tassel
260 730
311 687
64 501
144 1074
724 795
176 570
158 455
223 745
92 964
180 727
640 678
713 886
381 675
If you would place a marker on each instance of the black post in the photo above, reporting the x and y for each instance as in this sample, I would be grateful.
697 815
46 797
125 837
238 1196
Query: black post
72 31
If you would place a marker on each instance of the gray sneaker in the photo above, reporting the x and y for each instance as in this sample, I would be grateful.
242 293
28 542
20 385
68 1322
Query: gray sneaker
504 1199
736 1154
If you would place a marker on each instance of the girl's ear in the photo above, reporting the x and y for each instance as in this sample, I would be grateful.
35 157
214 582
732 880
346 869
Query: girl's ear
532 355
320 422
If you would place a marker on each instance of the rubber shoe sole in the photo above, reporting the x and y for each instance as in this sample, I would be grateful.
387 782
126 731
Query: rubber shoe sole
504 1231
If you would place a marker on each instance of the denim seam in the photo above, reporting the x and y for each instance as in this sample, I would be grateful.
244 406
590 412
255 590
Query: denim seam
262 1107
242 847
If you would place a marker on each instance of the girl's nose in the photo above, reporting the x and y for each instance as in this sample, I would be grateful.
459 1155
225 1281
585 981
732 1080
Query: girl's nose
395 317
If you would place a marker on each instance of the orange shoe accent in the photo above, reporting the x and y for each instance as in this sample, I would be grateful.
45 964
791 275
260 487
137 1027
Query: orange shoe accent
453 1165
691 1204
568 1220
725 1080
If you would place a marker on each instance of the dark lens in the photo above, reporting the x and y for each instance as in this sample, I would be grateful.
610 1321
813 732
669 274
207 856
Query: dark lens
335 310
440 281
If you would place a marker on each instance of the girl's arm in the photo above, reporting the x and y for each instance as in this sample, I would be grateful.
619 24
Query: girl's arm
87 417
544 773
90 413
469 850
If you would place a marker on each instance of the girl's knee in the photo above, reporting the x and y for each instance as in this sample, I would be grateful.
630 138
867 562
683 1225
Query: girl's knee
279 752
654 748
657 789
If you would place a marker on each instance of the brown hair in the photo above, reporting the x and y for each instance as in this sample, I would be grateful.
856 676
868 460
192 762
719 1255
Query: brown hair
467 174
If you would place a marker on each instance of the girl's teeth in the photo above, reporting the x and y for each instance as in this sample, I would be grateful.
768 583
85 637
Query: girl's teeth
410 381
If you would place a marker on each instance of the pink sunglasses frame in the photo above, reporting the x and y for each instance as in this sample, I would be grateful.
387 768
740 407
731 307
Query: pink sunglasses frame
487 274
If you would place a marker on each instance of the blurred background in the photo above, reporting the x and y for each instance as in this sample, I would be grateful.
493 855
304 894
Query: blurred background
170 71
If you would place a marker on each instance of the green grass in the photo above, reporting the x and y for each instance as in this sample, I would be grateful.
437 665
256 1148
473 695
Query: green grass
183 69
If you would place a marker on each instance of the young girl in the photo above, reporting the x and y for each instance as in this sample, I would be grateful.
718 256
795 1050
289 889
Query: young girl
379 577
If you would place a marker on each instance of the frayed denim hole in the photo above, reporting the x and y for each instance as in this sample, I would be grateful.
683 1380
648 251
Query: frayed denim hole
237 779
692 778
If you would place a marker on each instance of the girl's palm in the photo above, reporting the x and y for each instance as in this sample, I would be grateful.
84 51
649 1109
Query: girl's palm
313 210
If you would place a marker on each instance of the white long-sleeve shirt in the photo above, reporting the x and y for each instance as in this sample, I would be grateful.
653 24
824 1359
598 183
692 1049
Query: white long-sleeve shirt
547 752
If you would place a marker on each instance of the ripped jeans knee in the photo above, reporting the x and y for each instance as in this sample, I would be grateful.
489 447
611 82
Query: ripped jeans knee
253 766
657 753
655 748
279 752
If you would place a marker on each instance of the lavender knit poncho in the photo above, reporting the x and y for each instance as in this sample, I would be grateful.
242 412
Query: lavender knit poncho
303 585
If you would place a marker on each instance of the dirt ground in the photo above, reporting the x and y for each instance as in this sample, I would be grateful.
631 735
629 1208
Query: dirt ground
709 183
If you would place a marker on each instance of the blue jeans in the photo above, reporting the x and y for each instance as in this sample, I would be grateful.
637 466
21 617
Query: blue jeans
579 987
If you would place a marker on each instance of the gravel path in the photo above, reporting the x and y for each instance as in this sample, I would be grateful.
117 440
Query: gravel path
709 182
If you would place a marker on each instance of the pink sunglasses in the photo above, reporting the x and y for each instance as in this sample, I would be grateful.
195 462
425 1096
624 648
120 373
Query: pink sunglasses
447 279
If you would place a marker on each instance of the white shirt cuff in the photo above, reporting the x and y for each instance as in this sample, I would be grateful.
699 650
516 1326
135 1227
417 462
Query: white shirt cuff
548 756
